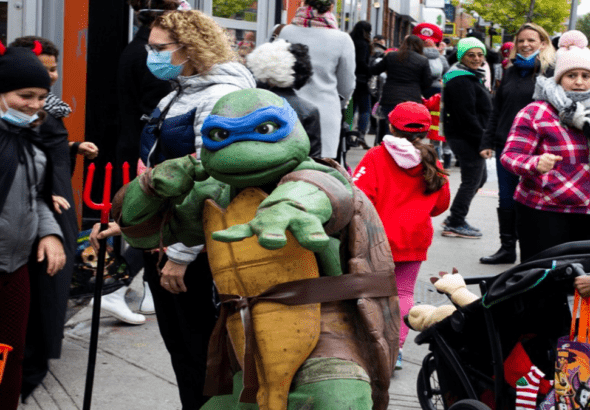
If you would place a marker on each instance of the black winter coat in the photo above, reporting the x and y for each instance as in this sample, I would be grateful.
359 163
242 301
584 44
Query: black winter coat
49 295
139 92
406 80
467 109
309 116
515 93
362 49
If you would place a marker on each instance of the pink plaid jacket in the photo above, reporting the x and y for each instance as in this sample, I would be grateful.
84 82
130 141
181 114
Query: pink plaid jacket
566 188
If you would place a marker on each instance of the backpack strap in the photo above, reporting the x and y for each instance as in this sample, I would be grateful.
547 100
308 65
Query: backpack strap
276 32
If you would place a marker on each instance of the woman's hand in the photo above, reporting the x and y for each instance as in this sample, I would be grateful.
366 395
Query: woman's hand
88 149
173 277
51 249
547 162
582 284
112 230
486 153
60 202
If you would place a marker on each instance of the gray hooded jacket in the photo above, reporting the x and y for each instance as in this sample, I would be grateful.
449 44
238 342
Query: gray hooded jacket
438 65
21 222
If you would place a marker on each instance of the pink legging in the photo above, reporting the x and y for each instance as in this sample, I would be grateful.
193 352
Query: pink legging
405 276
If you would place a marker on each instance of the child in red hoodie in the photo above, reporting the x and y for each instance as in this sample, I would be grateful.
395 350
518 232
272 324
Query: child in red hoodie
408 186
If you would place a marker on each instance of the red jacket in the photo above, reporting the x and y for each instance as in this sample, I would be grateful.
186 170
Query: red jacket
433 105
398 195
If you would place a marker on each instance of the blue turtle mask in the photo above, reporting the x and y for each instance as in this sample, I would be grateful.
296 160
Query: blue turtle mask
267 124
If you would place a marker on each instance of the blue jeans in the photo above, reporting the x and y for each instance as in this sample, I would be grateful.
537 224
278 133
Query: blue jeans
507 183
361 100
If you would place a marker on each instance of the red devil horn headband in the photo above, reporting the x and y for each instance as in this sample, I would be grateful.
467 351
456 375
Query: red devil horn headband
37 48
2 49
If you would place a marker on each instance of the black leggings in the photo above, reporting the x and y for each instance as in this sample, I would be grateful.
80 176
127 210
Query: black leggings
539 230
186 321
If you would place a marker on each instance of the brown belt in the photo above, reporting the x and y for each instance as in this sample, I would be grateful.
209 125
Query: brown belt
300 292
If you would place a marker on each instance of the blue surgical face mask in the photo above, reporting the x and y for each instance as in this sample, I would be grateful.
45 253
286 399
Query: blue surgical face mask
160 64
16 117
531 57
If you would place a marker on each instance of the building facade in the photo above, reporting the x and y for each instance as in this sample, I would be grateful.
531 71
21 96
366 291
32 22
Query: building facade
91 34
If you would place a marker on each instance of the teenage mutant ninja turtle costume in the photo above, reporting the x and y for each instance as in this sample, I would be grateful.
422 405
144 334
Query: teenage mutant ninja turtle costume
298 254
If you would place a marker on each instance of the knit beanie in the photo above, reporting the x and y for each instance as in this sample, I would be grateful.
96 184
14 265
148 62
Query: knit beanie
20 68
466 44
281 64
272 63
428 31
573 54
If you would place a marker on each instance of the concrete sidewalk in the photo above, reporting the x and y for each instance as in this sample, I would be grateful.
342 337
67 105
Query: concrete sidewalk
133 370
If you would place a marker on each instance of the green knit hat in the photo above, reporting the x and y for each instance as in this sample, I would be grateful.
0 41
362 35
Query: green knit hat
468 43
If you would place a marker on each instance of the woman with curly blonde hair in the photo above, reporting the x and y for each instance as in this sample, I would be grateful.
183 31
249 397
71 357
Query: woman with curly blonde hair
190 50
202 40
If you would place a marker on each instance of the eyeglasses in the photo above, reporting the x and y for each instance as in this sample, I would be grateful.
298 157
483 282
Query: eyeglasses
474 55
157 48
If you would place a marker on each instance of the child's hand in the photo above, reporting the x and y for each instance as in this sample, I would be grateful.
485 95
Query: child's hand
60 202
486 153
547 162
582 284
51 249
88 149
96 235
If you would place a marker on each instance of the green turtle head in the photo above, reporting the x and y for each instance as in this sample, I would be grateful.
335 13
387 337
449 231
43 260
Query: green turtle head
252 138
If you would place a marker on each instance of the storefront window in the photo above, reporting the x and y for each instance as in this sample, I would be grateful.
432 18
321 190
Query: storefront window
245 10
3 21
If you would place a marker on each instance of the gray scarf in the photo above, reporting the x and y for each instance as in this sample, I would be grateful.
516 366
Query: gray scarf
546 89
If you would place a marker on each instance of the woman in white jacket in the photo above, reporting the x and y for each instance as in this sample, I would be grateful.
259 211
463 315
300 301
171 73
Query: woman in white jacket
333 61
190 49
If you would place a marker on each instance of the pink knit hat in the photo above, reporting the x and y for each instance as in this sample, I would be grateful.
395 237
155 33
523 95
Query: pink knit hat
573 54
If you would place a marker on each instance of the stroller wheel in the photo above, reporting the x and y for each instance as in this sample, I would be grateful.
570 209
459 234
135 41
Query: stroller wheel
469 404
428 386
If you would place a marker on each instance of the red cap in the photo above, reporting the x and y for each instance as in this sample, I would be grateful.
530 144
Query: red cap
428 31
411 117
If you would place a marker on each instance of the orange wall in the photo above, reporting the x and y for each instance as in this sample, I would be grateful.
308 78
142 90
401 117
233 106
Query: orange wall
74 82
292 6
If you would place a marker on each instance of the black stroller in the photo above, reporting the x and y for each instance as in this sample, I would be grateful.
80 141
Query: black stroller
464 368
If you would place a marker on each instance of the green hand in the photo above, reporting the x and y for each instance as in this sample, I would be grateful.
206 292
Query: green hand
176 177
270 225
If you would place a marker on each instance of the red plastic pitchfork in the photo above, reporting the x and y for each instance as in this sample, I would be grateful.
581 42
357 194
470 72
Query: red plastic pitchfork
105 208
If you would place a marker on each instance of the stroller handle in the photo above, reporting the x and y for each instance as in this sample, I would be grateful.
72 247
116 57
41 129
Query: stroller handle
572 269
475 280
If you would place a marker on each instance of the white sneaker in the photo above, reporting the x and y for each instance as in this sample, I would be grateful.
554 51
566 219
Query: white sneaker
146 306
114 303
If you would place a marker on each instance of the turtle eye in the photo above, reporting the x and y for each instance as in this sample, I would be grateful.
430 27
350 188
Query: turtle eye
266 128
218 134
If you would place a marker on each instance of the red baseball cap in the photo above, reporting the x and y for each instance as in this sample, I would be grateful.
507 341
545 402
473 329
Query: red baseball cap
411 117
428 31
